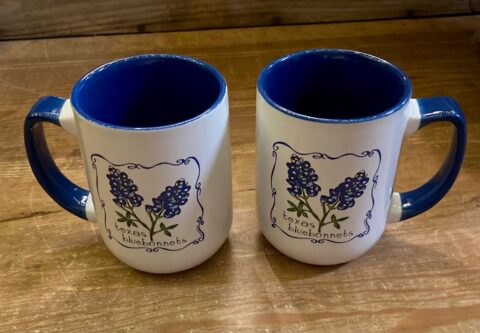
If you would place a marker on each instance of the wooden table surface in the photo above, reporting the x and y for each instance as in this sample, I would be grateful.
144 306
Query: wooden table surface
56 275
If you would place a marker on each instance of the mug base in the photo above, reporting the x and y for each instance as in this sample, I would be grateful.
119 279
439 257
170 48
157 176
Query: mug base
169 269
317 262
316 254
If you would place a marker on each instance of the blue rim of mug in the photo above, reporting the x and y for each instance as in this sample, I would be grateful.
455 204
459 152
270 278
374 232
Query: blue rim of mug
407 86
113 64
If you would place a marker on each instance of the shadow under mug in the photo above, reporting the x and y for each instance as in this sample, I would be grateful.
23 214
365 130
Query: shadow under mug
154 136
330 125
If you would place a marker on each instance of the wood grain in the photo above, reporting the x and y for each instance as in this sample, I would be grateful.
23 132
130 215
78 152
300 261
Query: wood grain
47 18
56 275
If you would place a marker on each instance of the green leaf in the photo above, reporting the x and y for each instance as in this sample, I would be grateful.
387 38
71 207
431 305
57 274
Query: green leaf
121 220
128 215
172 226
130 223
291 209
342 219
162 226
334 218
292 204
299 212
336 225
304 213
168 233
119 214
300 205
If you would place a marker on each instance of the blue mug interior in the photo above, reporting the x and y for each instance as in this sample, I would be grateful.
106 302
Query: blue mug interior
331 84
148 91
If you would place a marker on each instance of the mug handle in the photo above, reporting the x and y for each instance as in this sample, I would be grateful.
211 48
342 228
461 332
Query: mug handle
423 112
58 111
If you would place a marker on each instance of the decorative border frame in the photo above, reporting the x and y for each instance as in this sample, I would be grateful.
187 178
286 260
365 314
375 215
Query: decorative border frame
198 185
316 155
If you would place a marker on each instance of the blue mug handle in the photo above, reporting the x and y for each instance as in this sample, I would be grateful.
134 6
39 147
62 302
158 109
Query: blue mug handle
58 111
426 111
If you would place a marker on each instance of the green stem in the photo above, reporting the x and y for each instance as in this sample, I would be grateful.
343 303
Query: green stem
310 210
322 222
330 222
137 219
152 228
154 222
325 214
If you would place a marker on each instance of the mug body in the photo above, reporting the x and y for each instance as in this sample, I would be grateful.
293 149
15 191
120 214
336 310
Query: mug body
330 125
154 135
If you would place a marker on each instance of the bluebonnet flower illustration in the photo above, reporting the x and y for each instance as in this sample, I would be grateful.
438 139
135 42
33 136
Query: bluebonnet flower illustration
301 177
346 193
123 188
302 180
171 199
166 205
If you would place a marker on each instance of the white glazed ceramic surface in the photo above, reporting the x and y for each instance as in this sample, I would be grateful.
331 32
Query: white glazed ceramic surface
335 152
196 153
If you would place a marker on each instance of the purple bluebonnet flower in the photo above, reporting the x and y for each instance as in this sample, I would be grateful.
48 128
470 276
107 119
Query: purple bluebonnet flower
123 188
301 177
346 193
171 199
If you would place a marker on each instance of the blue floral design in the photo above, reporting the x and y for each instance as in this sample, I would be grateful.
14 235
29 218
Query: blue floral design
301 177
302 180
344 195
123 188
166 205
171 199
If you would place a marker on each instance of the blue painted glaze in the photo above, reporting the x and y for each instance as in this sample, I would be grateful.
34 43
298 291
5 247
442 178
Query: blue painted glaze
64 192
318 155
432 110
149 92
180 162
334 86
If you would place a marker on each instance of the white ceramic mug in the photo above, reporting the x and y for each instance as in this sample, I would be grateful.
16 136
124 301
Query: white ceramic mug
154 135
330 125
